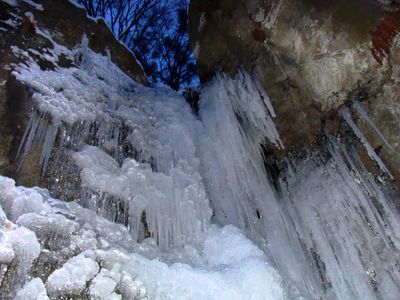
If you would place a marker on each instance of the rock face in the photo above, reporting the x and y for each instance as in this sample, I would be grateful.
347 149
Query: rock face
312 57
38 28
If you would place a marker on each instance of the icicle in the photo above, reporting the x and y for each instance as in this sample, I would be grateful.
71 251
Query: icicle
346 115
235 176
27 130
29 137
38 133
175 205
364 115
86 60
47 147
330 230
252 104
348 225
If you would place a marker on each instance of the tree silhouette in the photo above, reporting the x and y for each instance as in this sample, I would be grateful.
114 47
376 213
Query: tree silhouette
156 31
174 58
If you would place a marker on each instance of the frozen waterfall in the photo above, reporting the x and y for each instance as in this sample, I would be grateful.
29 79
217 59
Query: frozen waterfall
169 205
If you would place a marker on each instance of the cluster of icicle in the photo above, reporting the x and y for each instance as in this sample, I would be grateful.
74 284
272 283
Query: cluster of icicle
329 231
142 154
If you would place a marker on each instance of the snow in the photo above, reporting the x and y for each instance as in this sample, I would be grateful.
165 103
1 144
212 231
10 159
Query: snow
9 22
103 285
130 288
6 254
18 244
221 248
25 248
54 225
3 217
35 5
247 277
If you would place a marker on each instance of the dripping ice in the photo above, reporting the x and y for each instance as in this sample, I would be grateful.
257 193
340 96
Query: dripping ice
196 215
364 115
346 115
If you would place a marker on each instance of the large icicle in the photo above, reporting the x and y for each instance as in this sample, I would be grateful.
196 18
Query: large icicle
332 234
235 124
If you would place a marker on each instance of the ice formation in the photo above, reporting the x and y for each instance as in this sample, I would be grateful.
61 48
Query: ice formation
346 114
228 264
350 226
29 2
156 194
364 115
174 206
